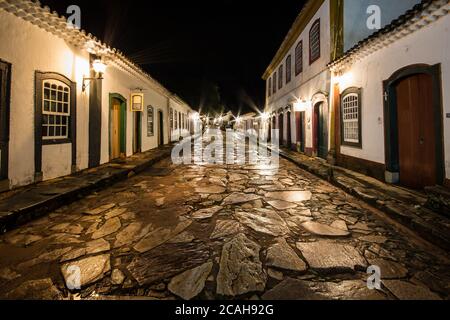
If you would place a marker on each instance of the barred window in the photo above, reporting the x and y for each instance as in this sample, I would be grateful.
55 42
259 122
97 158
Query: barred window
288 69
150 122
280 77
269 90
351 117
314 42
299 58
55 110
275 82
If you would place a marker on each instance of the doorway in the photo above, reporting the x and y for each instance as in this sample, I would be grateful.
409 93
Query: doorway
5 85
414 144
117 127
320 134
288 132
300 129
416 137
160 128
281 127
137 129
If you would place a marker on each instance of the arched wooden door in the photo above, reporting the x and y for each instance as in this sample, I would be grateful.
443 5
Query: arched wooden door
416 131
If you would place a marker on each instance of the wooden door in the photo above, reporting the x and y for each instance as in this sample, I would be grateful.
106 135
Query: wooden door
300 129
416 132
115 129
5 83
137 132
320 132
161 128
288 134
281 128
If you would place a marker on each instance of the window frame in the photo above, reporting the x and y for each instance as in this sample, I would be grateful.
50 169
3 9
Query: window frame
355 92
298 58
311 59
40 78
275 84
175 115
57 101
150 109
269 87
289 69
280 77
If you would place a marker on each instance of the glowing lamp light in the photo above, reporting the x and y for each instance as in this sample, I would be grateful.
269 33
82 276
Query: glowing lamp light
99 66
301 106
265 116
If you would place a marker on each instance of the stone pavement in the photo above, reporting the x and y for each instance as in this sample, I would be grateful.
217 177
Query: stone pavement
406 206
219 232
27 203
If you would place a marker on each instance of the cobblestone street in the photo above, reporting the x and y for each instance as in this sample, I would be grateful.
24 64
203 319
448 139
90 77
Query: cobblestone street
219 231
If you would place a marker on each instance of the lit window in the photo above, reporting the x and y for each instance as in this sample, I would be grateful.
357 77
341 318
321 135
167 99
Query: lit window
55 110
299 58
150 122
280 77
314 42
288 69
351 117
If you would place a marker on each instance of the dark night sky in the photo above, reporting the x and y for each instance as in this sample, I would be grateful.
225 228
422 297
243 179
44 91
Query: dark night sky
193 46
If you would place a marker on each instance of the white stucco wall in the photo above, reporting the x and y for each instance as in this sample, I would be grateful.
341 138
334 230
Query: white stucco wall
430 45
314 78
183 109
31 49
119 81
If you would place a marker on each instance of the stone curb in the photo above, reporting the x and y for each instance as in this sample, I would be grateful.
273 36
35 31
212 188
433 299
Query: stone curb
12 219
438 235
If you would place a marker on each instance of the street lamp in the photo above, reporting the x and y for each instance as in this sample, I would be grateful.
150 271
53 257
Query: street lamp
99 68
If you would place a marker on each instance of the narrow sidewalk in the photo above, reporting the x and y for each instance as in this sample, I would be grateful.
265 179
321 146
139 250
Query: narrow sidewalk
25 204
405 206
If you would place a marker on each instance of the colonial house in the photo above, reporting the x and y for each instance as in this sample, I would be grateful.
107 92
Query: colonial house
331 86
297 76
70 102
392 100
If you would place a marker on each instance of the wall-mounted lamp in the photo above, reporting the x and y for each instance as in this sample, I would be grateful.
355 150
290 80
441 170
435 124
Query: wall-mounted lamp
99 68
265 116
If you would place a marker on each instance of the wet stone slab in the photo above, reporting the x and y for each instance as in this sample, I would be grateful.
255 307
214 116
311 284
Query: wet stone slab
263 221
157 265
329 257
240 268
281 255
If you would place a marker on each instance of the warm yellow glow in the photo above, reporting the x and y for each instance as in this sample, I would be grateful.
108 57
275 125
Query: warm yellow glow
265 116
301 106
344 80
99 66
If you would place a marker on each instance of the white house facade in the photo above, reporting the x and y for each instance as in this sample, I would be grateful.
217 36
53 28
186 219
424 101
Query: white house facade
58 116
344 107
394 100
299 73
